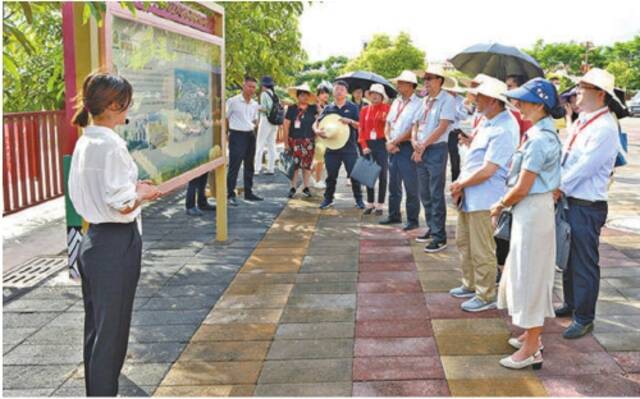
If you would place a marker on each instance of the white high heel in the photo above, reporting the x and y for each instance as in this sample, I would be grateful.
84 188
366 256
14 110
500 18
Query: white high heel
535 361
515 343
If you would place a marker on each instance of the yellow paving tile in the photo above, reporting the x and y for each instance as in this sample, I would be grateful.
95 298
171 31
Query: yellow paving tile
479 367
222 316
266 243
225 351
235 332
284 267
258 289
268 301
469 326
451 345
279 251
522 386
205 390
438 281
261 260
210 373
264 278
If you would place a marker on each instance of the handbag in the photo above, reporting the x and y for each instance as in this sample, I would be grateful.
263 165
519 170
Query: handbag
287 164
563 234
366 171
503 227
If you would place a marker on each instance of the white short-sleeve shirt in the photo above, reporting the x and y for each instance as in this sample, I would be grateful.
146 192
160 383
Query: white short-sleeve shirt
242 115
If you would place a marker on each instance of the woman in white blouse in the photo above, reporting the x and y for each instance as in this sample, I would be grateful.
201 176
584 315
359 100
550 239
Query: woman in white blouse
104 189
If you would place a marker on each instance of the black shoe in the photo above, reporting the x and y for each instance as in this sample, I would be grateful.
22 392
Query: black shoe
410 226
577 330
368 211
269 173
207 207
435 246
359 204
307 192
326 203
378 212
425 237
252 197
563 311
232 201
292 192
390 220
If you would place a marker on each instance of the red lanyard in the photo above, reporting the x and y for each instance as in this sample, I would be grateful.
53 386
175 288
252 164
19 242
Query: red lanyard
428 104
301 112
400 109
580 127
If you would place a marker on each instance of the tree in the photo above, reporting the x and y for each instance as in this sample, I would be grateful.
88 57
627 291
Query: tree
623 61
262 38
317 72
388 57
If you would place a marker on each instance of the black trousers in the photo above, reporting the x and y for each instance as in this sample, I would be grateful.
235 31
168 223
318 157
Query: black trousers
454 154
381 157
196 188
110 261
581 280
332 161
242 151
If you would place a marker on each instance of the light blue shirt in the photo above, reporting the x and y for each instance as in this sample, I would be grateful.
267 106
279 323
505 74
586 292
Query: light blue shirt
444 107
540 154
588 166
495 142
405 119
461 111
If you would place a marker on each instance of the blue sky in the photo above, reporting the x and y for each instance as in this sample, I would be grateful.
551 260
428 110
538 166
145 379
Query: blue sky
444 27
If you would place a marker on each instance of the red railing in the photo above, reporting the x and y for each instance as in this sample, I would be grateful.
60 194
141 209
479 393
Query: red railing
32 158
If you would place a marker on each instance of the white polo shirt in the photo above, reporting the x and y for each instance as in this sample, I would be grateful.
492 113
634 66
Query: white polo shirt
242 115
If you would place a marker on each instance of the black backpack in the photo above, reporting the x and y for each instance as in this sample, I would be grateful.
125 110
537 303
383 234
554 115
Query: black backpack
276 114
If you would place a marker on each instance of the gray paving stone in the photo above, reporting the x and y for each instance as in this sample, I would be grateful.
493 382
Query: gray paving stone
324 288
133 374
34 377
38 305
604 308
617 324
6 348
310 315
305 371
617 272
329 348
44 355
138 303
161 333
619 342
51 335
631 293
182 252
328 267
168 317
123 391
323 301
27 320
191 291
73 293
179 303
326 389
327 277
25 393
314 331
624 282
16 335
157 352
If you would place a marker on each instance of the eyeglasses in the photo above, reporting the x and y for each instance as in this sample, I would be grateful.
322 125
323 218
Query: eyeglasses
431 77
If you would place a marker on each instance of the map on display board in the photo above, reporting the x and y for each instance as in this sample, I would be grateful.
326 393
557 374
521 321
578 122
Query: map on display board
177 105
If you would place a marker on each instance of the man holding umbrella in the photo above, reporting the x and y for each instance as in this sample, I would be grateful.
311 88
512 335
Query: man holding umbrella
401 169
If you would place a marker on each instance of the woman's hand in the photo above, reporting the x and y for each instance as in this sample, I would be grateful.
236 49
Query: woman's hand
366 151
321 134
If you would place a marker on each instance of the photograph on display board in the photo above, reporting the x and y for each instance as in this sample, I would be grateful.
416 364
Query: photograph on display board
177 97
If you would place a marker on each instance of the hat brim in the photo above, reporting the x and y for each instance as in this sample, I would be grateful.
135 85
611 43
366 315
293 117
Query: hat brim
382 93
340 135
522 94
611 93
293 93
499 97
395 81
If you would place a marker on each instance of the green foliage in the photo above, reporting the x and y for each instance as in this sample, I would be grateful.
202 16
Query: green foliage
317 72
622 59
262 38
388 57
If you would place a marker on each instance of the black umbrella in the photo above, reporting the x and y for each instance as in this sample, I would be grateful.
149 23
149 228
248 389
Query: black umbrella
496 60
363 80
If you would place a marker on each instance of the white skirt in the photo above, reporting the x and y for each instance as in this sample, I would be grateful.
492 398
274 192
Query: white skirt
526 287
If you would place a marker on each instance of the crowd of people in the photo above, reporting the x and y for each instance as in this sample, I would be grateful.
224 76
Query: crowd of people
507 162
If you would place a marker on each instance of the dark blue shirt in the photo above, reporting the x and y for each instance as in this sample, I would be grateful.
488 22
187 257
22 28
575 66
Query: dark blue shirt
348 110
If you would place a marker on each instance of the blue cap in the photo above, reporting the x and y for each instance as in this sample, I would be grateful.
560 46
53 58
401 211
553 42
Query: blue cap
537 91
267 81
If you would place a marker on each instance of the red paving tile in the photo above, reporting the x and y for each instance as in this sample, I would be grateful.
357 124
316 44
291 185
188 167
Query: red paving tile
390 300
444 306
387 257
396 250
559 363
397 368
393 328
551 326
390 287
629 361
591 385
402 388
555 343
391 313
387 277
391 242
376 347
387 267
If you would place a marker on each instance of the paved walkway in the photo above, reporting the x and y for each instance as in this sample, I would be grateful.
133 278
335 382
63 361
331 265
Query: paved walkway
323 303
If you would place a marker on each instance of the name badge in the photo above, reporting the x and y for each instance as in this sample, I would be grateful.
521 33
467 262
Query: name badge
297 124
373 135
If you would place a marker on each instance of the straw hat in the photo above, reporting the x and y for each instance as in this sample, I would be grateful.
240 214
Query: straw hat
602 80
451 84
438 70
491 87
293 91
378 88
406 76
336 131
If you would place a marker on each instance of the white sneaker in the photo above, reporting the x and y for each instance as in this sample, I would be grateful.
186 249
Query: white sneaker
319 185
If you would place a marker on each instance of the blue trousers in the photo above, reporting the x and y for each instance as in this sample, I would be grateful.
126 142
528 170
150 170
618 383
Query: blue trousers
581 280
432 172
332 161
195 188
402 170
379 155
